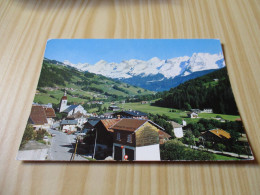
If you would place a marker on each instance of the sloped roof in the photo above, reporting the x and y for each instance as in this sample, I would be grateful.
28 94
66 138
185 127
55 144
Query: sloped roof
108 123
50 113
129 124
69 122
90 124
163 135
135 113
37 115
76 115
71 107
220 133
175 125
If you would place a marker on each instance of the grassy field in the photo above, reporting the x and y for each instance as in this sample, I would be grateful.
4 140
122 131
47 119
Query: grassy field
147 108
224 116
221 157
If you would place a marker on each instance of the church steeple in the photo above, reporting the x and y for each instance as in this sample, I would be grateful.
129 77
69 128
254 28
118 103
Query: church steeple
63 102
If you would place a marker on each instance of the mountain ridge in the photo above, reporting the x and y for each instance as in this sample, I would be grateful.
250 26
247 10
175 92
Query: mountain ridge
169 68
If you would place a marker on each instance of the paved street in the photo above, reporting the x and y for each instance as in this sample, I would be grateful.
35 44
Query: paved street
61 147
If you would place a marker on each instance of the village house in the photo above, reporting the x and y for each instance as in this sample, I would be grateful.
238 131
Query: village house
38 118
177 129
145 102
192 115
50 115
70 109
69 125
216 136
138 139
79 117
131 114
104 138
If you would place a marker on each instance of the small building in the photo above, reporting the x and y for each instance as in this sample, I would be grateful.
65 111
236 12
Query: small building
131 114
50 115
207 110
69 125
138 139
144 102
38 118
113 108
192 115
177 129
216 136
90 125
81 118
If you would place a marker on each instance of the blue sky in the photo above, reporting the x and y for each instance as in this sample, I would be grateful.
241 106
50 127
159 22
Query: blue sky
116 50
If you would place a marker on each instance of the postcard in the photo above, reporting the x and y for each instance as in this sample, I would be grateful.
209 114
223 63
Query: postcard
134 100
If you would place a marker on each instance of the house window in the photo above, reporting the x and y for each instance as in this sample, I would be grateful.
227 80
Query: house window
129 138
118 136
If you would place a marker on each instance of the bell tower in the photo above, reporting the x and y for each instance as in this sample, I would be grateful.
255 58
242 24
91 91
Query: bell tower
63 102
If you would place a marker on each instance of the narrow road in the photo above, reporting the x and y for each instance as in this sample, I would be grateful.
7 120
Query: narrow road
61 147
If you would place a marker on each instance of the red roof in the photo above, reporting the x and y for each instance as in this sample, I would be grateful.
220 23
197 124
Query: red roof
50 113
64 98
129 124
38 116
162 136
108 123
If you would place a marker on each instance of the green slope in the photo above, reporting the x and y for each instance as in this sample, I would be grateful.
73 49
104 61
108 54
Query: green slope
81 87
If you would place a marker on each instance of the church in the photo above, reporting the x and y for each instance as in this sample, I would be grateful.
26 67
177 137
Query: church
70 109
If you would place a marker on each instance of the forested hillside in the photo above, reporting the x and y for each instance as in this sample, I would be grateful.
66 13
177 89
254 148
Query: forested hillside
209 91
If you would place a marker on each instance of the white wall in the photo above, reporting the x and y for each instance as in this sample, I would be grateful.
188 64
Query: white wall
151 152
178 132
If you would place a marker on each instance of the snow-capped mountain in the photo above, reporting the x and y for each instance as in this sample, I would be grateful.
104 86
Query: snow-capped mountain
154 71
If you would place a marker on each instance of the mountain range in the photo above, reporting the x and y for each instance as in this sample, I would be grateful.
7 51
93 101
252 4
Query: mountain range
156 74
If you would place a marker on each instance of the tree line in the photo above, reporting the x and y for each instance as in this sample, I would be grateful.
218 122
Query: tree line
209 91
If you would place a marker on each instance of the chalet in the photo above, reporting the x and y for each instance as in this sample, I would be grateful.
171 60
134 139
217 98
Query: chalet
38 118
138 139
70 109
69 125
216 136
104 138
50 115
177 129
131 114
192 115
